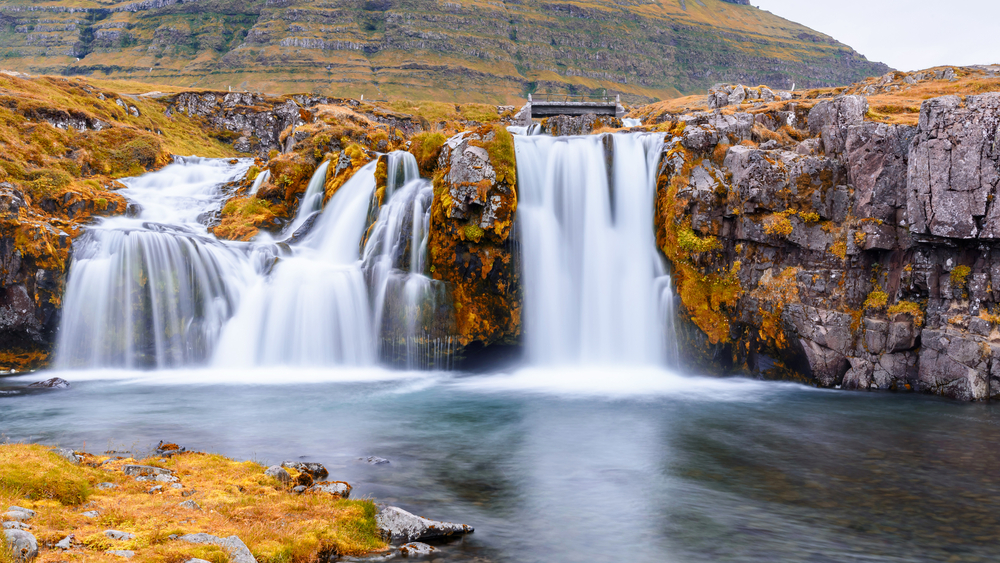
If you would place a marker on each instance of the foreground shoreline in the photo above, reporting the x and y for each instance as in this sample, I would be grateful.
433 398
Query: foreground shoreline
179 505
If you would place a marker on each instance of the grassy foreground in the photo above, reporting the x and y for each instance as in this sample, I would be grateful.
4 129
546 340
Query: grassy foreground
235 498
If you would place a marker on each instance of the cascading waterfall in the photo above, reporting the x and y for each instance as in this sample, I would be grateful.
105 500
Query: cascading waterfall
596 289
154 291
311 201
259 181
411 313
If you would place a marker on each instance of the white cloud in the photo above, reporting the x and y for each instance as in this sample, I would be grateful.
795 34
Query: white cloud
904 34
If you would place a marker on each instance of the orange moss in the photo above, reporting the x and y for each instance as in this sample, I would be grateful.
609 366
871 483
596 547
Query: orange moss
773 294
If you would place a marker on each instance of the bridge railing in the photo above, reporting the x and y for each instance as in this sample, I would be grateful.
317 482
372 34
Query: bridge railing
550 98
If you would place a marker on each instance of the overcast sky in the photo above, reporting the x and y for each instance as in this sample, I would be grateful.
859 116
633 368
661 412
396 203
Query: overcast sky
904 34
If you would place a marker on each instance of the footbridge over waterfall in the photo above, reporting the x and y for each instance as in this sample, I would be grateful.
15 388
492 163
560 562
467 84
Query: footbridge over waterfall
567 105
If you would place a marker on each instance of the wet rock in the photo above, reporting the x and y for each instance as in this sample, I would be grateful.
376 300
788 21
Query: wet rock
375 460
278 473
416 549
569 125
168 449
339 488
238 551
54 383
22 545
119 535
953 365
398 525
314 470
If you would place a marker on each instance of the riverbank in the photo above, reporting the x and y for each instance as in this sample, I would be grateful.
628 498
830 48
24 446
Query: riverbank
177 505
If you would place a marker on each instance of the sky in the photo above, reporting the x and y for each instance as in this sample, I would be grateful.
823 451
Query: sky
904 34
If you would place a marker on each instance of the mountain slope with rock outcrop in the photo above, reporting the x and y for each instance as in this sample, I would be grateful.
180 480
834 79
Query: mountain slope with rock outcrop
457 50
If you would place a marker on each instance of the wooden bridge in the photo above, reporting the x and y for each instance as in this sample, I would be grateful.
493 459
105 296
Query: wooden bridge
574 105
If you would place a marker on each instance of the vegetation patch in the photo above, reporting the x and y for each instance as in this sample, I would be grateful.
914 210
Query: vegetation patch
242 218
914 310
230 498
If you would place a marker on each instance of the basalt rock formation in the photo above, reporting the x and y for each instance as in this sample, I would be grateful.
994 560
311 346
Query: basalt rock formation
482 51
812 242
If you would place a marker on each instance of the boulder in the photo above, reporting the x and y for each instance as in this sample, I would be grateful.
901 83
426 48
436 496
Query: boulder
190 505
238 551
416 549
16 526
30 513
16 515
66 543
68 454
398 525
375 460
144 470
339 488
22 545
278 473
119 535
314 470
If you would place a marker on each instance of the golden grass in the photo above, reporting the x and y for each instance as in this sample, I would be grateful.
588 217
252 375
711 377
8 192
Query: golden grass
236 498
242 217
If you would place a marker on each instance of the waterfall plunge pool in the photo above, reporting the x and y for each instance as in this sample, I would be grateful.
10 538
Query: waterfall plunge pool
580 464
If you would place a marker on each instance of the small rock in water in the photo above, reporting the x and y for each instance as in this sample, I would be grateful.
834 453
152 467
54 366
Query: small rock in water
278 473
399 525
339 488
54 383
315 470
168 449
190 504
91 514
22 545
375 460
16 526
122 553
66 543
416 549
106 486
119 535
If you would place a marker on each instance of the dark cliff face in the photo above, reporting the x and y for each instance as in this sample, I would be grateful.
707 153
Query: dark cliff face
849 253
423 49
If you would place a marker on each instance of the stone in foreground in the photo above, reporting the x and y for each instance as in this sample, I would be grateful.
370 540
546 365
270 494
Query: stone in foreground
334 488
314 470
416 549
398 526
278 473
238 551
22 545
144 470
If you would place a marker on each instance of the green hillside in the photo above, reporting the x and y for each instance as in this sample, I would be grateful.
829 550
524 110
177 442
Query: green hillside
449 50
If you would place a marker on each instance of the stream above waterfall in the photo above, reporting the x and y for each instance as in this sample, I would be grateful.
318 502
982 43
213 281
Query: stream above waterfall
552 465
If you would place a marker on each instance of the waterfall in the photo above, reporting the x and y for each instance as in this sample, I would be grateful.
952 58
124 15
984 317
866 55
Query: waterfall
312 200
325 306
154 291
596 289
258 182
411 312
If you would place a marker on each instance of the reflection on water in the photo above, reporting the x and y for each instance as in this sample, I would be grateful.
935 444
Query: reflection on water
671 470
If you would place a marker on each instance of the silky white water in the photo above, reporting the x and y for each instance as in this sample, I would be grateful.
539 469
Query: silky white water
595 286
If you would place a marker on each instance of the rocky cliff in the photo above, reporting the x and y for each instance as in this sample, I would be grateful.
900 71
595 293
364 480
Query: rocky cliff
465 50
814 240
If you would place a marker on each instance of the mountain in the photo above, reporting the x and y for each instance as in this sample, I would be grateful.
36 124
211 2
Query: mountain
448 50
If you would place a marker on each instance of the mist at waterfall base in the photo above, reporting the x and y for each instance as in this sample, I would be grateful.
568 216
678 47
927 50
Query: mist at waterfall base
590 450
